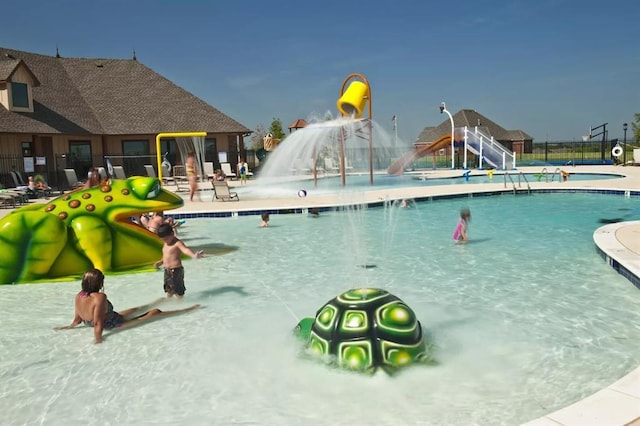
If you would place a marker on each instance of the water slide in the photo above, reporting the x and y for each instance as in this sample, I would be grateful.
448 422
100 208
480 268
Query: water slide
401 163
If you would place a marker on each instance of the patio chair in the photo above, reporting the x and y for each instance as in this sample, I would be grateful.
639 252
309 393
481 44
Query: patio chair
208 169
167 179
103 174
180 178
151 172
118 172
72 178
226 169
221 191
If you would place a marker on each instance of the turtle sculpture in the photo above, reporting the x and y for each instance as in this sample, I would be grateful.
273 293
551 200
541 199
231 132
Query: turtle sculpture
365 329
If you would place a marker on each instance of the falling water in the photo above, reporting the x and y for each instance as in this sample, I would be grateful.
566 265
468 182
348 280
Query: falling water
314 152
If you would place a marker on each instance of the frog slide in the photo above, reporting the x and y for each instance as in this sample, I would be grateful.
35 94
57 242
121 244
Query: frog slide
87 228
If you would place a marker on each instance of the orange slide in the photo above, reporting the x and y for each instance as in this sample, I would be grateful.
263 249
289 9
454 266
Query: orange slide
399 165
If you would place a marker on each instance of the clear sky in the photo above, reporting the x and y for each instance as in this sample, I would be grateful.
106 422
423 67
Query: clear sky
551 68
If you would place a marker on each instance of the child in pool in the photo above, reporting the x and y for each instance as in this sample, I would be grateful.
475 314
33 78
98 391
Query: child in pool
460 234
265 220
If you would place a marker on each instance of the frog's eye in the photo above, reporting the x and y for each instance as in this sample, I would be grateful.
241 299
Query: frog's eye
154 191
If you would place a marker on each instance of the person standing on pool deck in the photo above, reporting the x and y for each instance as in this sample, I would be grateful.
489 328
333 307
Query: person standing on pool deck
460 234
242 169
172 251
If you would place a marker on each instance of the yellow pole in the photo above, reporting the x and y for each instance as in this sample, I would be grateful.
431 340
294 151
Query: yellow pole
171 135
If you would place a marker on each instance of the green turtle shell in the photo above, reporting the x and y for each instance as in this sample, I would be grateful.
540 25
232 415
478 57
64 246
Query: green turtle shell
365 329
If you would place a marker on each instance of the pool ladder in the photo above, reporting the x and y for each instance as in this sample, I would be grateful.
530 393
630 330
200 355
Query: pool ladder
556 172
521 177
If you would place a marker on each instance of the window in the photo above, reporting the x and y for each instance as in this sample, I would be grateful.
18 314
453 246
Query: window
20 95
136 154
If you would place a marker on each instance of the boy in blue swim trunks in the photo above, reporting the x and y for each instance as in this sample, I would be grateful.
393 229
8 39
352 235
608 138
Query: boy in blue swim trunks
172 260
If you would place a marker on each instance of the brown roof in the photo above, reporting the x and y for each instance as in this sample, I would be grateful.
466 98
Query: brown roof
471 118
298 124
108 96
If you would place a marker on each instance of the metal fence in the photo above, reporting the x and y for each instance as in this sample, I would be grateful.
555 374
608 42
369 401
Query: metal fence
544 153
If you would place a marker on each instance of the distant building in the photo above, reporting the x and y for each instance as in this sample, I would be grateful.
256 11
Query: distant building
71 112
298 124
514 140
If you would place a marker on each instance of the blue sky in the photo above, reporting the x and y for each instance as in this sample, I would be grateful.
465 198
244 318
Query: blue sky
552 68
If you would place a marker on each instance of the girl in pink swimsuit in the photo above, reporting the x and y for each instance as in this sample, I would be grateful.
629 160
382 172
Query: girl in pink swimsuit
460 233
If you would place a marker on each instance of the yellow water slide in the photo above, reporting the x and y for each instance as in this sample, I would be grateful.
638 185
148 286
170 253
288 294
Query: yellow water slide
399 165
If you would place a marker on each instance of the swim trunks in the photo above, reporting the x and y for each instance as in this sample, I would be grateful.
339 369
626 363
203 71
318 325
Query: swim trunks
174 281
112 319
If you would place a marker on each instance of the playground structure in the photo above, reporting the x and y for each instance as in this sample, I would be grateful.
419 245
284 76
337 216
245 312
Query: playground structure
489 151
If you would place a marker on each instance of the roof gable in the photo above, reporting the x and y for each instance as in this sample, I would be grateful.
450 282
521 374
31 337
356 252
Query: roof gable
109 96
471 118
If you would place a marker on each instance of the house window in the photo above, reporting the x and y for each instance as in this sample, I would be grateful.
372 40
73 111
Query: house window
20 95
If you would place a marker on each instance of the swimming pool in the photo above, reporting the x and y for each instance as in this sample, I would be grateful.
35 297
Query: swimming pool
526 319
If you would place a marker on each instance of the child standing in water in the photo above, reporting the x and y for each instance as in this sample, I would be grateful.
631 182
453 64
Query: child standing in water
460 234
171 260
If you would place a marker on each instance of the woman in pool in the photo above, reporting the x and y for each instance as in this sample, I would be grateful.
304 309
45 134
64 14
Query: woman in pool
460 234
93 309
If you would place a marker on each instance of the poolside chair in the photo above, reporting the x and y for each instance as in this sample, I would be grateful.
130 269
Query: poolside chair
208 169
103 174
221 191
118 172
72 178
151 172
180 178
167 179
226 169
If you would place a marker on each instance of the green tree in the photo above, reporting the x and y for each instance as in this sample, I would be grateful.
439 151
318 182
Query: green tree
276 129
636 126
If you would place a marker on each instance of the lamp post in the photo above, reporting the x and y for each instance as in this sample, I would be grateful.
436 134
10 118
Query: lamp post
443 108
624 144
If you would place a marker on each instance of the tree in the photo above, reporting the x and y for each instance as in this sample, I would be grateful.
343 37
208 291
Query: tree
257 138
636 126
276 129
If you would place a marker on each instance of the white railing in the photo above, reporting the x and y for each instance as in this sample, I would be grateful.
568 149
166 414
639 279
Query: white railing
488 150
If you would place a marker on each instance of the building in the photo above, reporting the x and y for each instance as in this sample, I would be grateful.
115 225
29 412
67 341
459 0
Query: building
60 112
514 140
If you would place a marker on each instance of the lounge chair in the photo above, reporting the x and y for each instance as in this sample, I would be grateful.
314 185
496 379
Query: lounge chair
151 172
167 179
226 169
208 169
180 178
72 178
221 191
103 174
118 172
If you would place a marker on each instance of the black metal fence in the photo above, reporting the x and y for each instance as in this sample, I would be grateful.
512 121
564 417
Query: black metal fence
544 153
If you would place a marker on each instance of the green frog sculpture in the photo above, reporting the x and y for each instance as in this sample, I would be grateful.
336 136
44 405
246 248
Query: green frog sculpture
83 229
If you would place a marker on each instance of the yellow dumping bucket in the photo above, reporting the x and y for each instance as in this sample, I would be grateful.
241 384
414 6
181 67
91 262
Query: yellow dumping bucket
354 99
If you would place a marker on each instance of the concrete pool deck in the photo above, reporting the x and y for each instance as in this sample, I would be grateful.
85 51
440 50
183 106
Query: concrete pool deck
617 243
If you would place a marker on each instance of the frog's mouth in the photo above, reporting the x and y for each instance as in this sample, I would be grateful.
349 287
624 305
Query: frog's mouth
152 198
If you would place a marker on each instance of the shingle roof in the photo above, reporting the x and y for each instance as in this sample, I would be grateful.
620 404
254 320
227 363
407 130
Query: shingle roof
298 124
108 96
471 118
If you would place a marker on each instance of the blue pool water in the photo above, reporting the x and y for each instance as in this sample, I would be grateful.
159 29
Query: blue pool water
360 182
525 319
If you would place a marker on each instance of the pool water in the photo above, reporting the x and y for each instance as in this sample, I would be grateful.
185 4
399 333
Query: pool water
362 181
525 319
